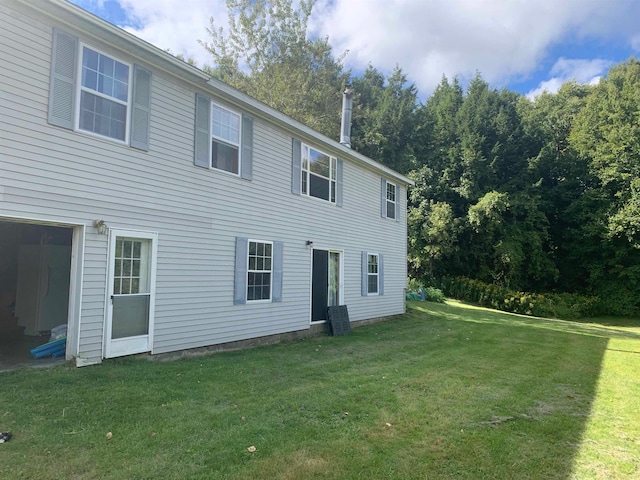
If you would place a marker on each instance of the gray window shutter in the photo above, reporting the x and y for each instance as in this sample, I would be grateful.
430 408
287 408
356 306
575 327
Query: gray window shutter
240 284
141 108
383 198
380 275
365 270
296 167
202 145
398 190
278 251
339 182
62 82
246 158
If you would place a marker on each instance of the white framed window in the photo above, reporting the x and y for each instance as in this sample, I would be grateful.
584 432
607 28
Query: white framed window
95 93
391 200
373 274
225 139
319 173
259 271
130 275
104 95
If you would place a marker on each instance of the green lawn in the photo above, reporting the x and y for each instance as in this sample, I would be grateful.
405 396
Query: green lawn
445 391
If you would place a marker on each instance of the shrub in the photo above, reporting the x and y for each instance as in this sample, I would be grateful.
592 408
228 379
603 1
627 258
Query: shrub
432 294
554 305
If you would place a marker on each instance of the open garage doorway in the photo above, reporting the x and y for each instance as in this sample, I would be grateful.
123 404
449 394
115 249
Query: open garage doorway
35 280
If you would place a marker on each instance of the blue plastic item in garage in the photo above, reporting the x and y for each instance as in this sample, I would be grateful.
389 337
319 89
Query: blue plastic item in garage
51 349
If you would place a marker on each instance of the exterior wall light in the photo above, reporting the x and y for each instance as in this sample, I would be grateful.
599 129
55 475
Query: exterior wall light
100 226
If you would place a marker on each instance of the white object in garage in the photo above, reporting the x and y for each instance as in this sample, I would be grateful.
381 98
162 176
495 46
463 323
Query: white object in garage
42 297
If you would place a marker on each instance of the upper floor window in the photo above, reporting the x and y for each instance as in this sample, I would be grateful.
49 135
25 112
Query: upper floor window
104 95
92 92
391 200
319 172
225 139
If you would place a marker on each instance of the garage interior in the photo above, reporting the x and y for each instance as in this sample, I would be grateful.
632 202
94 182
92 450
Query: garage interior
35 266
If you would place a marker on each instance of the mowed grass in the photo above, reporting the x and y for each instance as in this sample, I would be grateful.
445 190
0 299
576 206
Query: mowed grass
445 391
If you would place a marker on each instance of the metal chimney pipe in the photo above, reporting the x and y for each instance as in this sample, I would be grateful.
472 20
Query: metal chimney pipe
345 126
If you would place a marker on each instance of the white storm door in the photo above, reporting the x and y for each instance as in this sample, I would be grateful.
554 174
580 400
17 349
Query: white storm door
131 293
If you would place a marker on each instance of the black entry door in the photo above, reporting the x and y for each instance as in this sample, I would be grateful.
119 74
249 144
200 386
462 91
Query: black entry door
319 285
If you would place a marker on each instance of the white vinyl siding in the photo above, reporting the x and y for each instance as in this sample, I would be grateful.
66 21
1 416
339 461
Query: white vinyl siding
197 214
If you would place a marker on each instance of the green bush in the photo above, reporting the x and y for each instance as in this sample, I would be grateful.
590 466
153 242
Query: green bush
432 294
554 305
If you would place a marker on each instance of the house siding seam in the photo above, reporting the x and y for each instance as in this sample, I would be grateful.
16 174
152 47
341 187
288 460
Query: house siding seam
51 172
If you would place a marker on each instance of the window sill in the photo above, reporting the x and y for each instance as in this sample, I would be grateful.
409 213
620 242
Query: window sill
316 199
97 136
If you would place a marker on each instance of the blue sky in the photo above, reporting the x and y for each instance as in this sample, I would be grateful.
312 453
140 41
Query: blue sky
524 45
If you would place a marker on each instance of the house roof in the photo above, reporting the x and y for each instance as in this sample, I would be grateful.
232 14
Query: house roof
93 26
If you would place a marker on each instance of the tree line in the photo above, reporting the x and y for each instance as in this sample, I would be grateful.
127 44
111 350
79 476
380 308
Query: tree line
535 195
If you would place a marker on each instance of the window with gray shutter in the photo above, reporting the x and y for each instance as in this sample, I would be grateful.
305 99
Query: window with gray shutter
389 199
202 145
364 275
258 271
240 273
141 108
380 274
278 273
62 83
296 172
246 158
340 185
101 83
372 281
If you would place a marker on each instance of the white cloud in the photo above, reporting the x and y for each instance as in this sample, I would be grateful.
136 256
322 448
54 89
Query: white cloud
170 24
564 70
177 25
503 39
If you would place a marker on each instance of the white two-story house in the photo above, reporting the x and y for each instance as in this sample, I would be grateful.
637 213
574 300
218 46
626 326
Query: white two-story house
151 208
